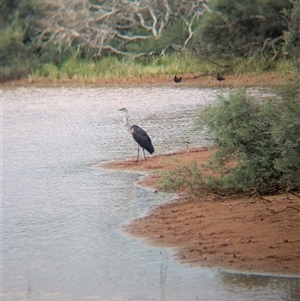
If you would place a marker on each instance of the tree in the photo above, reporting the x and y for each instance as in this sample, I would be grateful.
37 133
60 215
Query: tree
243 29
292 36
16 55
112 26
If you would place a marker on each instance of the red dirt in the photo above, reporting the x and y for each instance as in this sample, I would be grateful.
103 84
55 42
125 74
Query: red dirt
189 80
240 233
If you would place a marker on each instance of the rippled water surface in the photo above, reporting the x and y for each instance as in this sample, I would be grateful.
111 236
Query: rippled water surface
62 212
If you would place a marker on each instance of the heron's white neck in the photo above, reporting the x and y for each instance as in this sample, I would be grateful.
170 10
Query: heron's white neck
126 122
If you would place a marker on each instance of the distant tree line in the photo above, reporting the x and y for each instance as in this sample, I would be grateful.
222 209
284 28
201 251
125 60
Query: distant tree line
43 31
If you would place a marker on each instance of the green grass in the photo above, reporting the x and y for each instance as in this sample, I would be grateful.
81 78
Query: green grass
112 67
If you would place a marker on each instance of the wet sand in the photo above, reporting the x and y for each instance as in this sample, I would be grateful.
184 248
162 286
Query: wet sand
238 233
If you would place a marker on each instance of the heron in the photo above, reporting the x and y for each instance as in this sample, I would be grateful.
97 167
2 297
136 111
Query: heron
139 135
177 79
186 143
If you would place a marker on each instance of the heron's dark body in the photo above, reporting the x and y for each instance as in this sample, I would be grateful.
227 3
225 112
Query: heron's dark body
177 79
139 135
219 77
142 138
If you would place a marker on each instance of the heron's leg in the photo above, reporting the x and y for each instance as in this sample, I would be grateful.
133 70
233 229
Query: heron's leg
138 153
144 155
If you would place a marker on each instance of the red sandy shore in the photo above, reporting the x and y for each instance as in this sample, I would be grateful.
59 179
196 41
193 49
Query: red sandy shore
240 233
189 80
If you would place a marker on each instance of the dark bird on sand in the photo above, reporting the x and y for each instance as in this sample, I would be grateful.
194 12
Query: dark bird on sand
219 77
177 79
139 135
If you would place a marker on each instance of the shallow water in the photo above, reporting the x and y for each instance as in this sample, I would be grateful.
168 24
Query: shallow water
61 213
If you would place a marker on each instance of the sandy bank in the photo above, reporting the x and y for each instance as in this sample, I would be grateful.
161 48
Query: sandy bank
255 235
189 80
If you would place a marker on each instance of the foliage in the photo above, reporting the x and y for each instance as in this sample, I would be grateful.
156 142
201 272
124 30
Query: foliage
16 56
111 67
187 178
286 129
260 137
243 29
174 34
50 33
292 37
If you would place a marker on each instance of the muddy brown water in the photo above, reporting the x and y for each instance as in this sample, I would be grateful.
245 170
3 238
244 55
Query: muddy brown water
61 213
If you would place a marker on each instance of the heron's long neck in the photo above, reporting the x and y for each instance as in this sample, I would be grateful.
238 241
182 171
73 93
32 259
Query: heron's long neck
126 122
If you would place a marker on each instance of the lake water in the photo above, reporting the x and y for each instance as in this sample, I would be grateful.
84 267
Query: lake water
61 212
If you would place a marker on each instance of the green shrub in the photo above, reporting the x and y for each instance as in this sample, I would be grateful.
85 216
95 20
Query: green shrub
263 137
286 133
292 36
243 29
187 178
260 137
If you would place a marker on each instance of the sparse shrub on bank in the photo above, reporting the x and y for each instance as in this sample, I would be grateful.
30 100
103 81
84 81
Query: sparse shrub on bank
261 137
286 133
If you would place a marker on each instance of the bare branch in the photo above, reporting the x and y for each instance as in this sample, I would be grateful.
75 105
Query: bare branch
111 25
189 25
